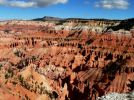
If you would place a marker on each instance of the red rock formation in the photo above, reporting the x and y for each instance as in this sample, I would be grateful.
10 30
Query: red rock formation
45 62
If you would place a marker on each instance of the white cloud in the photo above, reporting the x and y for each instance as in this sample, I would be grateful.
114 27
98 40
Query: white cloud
31 3
21 4
110 4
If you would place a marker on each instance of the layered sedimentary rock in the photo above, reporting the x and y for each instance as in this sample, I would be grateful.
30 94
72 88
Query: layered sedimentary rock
72 59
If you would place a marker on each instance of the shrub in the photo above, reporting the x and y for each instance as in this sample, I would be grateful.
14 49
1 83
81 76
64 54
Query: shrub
1 66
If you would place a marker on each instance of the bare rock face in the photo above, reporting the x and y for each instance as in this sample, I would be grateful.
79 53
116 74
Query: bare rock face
76 60
117 96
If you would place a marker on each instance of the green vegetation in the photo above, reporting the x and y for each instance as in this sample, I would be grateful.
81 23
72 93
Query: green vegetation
23 63
7 76
89 42
18 53
9 73
80 46
27 98
33 58
1 66
20 78
36 87
125 24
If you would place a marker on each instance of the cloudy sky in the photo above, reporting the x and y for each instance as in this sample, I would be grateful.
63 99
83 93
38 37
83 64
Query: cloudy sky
28 9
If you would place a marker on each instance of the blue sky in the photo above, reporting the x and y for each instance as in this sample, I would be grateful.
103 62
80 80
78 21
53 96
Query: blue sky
28 9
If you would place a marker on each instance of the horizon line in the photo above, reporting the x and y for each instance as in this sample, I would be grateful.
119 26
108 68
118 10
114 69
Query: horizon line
27 19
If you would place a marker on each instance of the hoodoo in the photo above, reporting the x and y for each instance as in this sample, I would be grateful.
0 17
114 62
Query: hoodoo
65 59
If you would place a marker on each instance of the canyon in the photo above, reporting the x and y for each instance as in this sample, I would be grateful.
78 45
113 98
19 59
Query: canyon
65 59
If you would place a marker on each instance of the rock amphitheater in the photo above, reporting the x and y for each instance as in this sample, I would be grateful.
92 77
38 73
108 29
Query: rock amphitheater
67 60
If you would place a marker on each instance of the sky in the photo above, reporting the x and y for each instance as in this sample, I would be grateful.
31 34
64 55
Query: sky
29 9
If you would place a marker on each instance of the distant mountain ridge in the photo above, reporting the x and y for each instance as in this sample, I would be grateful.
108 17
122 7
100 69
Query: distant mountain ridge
47 18
50 18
